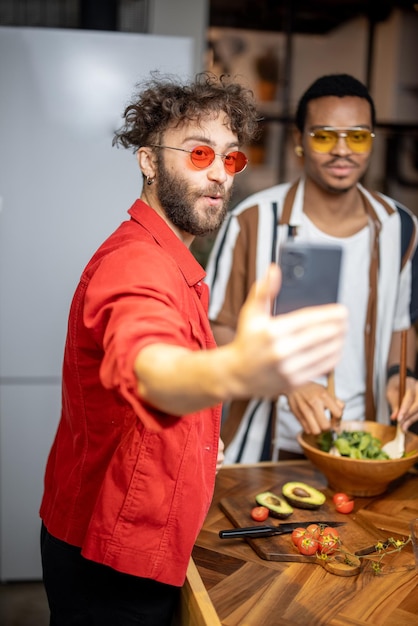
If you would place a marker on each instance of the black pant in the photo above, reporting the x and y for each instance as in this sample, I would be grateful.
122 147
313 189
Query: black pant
83 593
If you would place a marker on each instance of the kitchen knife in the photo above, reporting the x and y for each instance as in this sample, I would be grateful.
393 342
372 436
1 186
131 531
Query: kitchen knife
256 532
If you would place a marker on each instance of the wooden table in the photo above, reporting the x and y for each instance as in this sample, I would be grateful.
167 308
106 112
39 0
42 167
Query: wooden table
228 584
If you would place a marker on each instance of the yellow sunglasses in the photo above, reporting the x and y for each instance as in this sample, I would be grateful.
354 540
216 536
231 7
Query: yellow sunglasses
325 138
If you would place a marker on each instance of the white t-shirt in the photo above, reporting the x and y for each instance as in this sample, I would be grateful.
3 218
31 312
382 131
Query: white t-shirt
350 372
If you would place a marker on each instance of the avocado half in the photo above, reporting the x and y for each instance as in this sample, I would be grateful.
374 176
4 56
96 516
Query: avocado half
277 505
303 496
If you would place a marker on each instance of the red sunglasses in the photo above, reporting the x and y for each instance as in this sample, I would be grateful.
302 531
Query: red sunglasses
203 156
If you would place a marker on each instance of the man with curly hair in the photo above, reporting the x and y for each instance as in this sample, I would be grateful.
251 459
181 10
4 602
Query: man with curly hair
131 473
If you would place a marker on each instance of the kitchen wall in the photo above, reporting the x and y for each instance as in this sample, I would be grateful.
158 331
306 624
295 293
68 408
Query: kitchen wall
394 86
63 189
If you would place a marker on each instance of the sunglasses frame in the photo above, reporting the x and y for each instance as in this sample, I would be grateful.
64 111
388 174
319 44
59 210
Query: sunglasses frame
215 154
345 134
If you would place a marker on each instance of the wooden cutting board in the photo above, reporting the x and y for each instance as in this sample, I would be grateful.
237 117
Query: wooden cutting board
357 533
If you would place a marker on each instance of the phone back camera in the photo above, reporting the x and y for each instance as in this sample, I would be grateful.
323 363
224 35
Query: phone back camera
294 268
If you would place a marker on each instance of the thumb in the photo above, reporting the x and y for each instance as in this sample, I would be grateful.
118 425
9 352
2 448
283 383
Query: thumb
266 289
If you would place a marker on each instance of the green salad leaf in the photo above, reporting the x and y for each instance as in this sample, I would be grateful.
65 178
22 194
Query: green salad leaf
356 444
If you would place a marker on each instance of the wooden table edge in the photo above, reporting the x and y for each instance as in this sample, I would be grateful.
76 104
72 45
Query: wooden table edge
196 608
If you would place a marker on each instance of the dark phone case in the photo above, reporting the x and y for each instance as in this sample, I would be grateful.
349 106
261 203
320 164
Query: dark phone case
310 275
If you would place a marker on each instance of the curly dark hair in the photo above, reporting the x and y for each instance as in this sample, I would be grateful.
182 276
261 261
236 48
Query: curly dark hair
339 85
165 102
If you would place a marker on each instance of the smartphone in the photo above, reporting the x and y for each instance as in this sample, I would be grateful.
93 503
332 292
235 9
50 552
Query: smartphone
310 275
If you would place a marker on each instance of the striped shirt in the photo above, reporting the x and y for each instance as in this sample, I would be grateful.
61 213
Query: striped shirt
249 241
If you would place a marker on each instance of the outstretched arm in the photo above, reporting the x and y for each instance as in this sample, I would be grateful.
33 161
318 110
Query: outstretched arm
268 356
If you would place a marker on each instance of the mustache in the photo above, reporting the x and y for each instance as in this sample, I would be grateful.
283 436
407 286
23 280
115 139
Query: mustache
337 160
215 190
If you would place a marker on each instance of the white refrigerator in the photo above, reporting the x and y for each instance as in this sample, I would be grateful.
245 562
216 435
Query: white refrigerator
63 189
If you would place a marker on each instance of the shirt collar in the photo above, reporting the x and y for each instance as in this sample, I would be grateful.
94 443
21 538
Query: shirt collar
142 213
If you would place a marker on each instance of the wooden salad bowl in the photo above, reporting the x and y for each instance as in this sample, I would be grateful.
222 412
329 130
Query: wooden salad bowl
361 477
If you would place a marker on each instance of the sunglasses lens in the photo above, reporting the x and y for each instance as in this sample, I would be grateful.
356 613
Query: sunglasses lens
323 140
235 162
359 140
202 156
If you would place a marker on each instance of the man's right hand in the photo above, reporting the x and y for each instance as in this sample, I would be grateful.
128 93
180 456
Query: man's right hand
309 403
276 354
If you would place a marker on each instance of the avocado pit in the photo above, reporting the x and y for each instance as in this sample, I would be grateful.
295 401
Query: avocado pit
277 506
300 493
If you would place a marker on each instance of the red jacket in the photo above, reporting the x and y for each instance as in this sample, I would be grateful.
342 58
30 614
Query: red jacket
128 484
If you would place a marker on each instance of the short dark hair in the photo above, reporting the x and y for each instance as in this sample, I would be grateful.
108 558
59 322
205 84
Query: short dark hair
165 102
339 85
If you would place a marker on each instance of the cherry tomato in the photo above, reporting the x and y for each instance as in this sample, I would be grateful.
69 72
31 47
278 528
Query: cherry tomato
307 545
260 513
297 534
337 498
314 530
330 530
345 507
328 544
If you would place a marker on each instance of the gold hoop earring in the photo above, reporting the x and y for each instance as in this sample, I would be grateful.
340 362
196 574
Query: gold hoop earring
299 151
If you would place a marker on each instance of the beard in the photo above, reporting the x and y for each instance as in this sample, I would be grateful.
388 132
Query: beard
178 201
